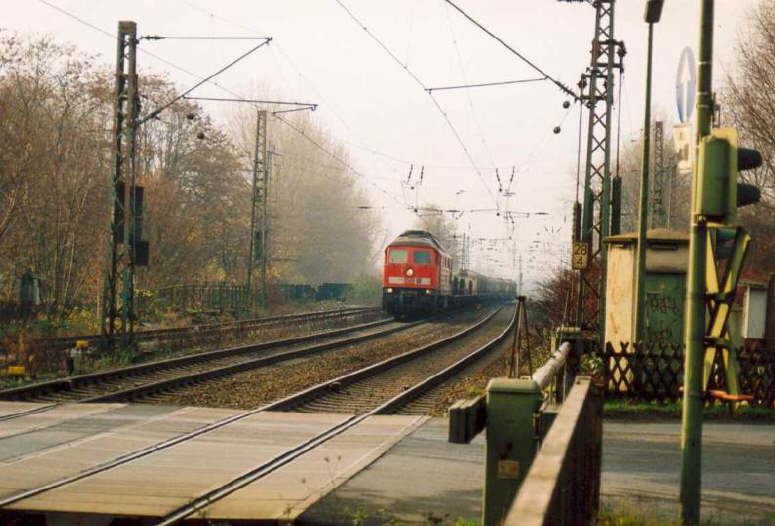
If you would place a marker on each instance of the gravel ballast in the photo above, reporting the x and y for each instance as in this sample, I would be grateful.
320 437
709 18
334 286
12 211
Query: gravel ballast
252 389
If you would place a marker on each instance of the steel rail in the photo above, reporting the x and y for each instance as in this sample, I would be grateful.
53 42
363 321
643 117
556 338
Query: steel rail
426 386
260 470
75 382
386 407
136 392
298 399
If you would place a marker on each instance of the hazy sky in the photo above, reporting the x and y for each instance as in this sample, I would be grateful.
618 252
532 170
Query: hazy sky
370 103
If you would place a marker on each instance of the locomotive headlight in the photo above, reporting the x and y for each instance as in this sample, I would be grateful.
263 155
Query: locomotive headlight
388 290
410 272
428 291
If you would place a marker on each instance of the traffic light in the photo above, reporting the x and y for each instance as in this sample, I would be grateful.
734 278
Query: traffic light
720 161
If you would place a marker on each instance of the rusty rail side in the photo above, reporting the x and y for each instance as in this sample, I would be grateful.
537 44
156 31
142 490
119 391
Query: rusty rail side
562 486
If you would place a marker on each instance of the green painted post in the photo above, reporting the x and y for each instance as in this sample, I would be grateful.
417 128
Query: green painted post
511 442
691 431
643 208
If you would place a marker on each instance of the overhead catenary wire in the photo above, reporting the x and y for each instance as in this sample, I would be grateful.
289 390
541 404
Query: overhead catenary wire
77 18
253 101
487 84
468 94
335 157
304 105
424 87
216 84
295 109
170 103
206 79
556 82
227 90
165 37
277 47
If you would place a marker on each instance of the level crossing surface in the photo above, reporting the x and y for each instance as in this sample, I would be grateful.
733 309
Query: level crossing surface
391 467
64 443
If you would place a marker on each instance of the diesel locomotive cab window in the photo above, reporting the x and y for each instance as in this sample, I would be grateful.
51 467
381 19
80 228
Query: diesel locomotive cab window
420 257
398 256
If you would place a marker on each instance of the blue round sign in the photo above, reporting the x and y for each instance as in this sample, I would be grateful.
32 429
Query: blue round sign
686 85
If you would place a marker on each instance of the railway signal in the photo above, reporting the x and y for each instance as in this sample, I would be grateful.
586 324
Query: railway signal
720 162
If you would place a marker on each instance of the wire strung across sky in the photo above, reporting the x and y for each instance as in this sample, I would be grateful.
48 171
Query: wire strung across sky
559 84
306 105
209 78
345 164
486 84
331 107
468 93
277 47
155 112
163 37
337 158
231 92
425 88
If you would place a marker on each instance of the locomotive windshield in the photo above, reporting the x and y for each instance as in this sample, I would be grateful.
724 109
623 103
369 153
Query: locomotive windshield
397 256
421 256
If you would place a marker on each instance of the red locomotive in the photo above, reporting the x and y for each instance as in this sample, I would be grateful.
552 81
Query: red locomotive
420 278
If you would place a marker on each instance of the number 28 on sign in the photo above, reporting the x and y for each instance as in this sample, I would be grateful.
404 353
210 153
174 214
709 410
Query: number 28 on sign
580 260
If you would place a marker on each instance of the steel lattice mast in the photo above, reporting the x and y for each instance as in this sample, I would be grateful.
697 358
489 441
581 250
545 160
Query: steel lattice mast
258 213
597 93
117 317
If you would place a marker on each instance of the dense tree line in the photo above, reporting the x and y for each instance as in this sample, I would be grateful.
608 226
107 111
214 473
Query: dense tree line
56 130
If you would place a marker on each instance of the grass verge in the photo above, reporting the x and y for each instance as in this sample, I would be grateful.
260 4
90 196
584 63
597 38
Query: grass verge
629 409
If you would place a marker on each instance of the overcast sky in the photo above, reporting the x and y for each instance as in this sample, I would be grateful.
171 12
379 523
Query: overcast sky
370 103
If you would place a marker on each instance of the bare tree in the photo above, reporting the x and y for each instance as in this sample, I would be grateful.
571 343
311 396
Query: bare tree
748 103
749 99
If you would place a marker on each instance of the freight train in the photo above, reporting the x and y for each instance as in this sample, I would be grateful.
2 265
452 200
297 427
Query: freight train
420 277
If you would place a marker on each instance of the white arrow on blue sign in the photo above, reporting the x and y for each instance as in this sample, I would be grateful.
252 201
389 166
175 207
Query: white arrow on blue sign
686 85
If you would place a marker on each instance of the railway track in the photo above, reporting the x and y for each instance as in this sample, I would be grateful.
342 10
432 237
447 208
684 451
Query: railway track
497 325
212 331
387 403
129 383
420 369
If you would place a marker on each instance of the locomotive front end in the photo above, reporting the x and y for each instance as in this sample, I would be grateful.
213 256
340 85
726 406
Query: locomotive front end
412 275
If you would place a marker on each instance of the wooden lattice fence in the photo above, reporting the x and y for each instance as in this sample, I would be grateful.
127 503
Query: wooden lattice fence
656 373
